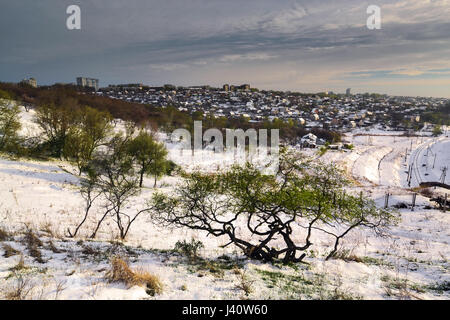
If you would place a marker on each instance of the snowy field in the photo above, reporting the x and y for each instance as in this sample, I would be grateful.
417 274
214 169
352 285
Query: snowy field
411 263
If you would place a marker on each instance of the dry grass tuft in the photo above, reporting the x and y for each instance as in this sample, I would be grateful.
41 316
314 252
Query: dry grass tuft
36 254
244 284
47 227
152 282
426 192
120 271
9 251
87 250
20 265
51 246
33 243
347 256
4 235
32 239
20 291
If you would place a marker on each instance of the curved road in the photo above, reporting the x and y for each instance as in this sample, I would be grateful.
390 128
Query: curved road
415 161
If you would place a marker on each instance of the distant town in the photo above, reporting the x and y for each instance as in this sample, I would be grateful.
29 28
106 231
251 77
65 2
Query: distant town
328 110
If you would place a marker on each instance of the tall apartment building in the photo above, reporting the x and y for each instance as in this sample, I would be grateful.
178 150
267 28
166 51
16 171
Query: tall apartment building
87 82
31 82
245 87
348 91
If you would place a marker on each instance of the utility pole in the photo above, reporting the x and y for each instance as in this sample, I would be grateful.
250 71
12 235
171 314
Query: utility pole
445 203
444 173
386 200
408 179
413 201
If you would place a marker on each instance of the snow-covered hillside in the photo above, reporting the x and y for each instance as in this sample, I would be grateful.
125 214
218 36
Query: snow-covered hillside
413 262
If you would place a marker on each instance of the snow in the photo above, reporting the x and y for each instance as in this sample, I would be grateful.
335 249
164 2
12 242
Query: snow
429 159
44 196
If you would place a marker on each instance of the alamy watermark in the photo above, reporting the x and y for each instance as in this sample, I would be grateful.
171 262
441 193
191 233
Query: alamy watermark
73 21
238 147
374 20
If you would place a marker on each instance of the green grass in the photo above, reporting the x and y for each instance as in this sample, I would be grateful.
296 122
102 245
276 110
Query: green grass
299 286
440 287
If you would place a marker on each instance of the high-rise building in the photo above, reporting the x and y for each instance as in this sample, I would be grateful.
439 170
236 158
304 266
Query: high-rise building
87 83
348 91
245 87
31 82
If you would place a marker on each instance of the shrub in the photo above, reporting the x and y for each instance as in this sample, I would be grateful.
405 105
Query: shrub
440 287
437 131
171 167
348 146
9 125
400 205
322 151
189 249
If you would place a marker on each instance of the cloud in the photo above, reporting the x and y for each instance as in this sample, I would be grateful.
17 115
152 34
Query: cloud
168 66
402 73
408 72
246 57
264 42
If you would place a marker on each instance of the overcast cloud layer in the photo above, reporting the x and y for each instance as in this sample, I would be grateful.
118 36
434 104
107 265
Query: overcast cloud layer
307 46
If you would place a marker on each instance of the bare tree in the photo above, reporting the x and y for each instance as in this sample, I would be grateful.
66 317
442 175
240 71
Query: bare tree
111 179
90 193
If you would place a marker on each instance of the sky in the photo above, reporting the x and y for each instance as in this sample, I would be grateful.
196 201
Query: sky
296 45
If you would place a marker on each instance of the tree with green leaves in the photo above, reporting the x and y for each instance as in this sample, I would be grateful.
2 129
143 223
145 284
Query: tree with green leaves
111 179
9 123
149 155
97 125
78 148
271 217
437 131
56 121
94 128
4 95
